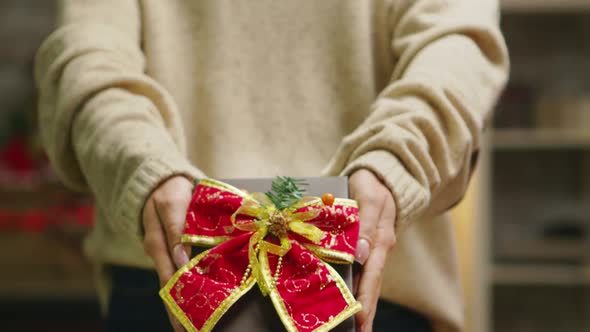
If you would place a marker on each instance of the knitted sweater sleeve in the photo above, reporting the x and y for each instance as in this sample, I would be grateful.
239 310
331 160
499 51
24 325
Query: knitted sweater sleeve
106 126
424 129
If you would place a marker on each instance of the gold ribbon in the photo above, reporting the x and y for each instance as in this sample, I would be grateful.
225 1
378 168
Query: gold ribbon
269 220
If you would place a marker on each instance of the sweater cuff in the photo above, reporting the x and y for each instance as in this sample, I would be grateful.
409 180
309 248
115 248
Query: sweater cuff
410 197
146 178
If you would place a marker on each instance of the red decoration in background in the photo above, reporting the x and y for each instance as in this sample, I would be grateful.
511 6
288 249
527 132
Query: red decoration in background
15 156
39 220
24 170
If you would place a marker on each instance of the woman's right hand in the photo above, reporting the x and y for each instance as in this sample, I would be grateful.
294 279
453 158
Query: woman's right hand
163 222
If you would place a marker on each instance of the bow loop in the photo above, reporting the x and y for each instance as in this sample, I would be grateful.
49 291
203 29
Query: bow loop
308 231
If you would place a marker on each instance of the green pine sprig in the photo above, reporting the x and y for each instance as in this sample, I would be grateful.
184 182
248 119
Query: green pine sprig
285 191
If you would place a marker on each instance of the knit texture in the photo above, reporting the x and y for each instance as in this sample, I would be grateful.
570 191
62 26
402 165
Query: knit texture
134 92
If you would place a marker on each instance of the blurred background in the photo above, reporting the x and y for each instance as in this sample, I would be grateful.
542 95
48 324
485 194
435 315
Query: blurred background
45 283
523 229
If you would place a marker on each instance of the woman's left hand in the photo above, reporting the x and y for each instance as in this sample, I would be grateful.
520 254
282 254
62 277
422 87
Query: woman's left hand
377 238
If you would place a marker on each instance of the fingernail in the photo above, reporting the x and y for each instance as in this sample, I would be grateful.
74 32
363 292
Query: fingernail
180 256
362 251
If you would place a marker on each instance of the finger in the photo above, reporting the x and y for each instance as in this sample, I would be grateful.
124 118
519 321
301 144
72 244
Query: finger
369 211
172 201
155 244
370 288
364 188
155 247
368 215
370 284
176 326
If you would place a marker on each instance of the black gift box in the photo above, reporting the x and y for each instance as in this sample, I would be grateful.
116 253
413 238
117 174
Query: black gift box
254 312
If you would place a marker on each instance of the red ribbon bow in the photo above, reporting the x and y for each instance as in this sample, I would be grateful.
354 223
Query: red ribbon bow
283 251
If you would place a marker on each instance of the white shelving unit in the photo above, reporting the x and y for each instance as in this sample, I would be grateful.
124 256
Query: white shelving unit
540 139
536 269
528 6
540 275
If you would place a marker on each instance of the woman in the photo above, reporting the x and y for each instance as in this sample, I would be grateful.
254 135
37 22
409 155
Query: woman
139 97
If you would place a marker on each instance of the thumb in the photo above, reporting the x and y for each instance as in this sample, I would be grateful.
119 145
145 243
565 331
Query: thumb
172 205
369 216
362 190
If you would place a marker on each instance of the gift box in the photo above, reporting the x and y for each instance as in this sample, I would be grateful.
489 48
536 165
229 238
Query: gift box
268 267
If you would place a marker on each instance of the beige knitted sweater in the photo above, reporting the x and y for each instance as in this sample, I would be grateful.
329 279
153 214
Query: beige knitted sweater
135 91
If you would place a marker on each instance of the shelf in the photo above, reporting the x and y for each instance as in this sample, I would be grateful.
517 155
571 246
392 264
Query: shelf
541 249
537 6
538 139
72 288
38 266
540 274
